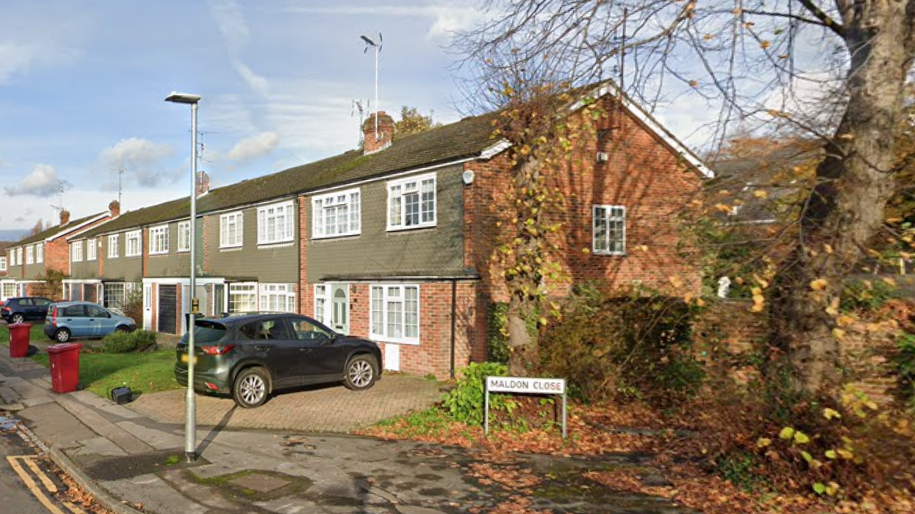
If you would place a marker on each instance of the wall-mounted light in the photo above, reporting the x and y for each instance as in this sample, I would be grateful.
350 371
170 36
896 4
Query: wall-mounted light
467 177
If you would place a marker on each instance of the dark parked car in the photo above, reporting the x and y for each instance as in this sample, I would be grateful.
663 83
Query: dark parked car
67 320
251 356
17 310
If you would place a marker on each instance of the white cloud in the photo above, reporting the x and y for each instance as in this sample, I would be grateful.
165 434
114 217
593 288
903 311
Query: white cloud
140 159
13 59
42 180
445 18
254 146
231 23
254 81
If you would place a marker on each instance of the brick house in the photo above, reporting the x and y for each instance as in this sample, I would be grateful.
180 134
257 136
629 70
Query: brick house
30 259
393 241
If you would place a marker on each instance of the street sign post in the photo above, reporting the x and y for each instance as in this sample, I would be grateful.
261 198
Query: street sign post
524 385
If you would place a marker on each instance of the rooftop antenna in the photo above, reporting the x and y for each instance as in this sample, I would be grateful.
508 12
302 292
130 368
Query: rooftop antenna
120 189
377 46
357 106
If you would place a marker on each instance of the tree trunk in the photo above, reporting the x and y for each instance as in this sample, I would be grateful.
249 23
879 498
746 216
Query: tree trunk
854 182
522 347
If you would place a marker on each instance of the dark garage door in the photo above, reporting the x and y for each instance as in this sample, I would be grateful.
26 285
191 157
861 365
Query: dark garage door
168 300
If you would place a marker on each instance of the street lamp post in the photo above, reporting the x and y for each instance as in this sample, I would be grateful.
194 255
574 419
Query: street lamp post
190 413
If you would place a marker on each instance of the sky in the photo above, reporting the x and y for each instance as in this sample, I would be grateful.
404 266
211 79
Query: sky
82 84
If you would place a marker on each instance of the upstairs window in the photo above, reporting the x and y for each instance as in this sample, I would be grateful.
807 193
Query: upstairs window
337 214
411 203
158 240
30 255
114 246
12 257
609 237
19 256
2 263
91 249
39 253
230 230
76 251
134 244
184 236
275 223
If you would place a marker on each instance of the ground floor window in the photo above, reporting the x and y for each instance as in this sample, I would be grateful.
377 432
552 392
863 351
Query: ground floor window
115 295
321 303
395 313
9 290
277 298
242 298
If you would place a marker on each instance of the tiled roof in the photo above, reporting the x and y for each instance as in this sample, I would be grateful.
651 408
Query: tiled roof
44 234
463 139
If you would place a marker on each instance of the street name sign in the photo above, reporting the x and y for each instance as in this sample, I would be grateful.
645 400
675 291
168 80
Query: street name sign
524 385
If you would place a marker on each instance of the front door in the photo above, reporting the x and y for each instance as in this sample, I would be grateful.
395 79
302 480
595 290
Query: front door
339 317
147 306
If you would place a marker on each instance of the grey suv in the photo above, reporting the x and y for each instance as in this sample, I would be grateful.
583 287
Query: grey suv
250 356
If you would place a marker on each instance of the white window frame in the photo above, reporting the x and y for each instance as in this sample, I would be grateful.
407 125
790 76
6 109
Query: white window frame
321 303
349 202
397 217
282 216
238 218
388 297
12 257
281 296
130 237
184 236
114 246
76 252
158 240
91 249
2 263
250 289
29 255
613 214
39 253
19 256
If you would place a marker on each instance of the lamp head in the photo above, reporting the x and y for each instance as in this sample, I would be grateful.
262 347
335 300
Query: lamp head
182 98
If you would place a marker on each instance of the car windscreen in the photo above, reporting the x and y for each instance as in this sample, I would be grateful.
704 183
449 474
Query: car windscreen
208 331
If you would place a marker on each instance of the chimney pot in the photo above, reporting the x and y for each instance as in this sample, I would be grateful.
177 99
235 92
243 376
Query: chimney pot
64 216
373 142
114 208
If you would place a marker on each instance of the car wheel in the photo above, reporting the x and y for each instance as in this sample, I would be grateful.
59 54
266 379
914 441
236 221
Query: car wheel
123 329
250 388
62 335
361 372
17 318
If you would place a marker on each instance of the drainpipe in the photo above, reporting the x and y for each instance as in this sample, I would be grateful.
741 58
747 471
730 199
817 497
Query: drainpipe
453 320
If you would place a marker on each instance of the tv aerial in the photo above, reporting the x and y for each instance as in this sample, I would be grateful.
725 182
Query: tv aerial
369 42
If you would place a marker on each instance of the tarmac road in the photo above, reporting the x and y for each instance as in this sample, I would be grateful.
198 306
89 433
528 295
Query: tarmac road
24 477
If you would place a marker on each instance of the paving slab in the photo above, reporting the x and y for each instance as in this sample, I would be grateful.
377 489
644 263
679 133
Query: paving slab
260 482
154 495
97 446
56 426
103 427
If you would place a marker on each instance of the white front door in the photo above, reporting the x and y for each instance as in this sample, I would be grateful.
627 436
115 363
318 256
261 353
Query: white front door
339 314
147 307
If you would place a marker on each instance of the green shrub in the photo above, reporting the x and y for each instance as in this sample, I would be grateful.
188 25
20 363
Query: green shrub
623 345
122 342
865 295
465 402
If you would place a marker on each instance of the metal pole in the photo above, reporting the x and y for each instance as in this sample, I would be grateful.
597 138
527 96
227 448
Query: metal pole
376 93
563 414
485 405
190 415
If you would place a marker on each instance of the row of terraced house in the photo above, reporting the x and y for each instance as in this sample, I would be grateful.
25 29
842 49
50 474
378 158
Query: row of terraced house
393 241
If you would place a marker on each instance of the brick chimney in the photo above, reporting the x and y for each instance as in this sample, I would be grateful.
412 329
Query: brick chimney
376 142
64 217
203 183
114 208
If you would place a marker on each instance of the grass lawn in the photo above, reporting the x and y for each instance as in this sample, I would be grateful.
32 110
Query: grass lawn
147 372
37 333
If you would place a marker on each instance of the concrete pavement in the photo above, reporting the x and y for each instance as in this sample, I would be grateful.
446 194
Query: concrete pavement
133 463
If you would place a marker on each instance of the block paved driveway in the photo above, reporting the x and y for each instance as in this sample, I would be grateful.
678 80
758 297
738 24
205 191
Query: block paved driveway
331 408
